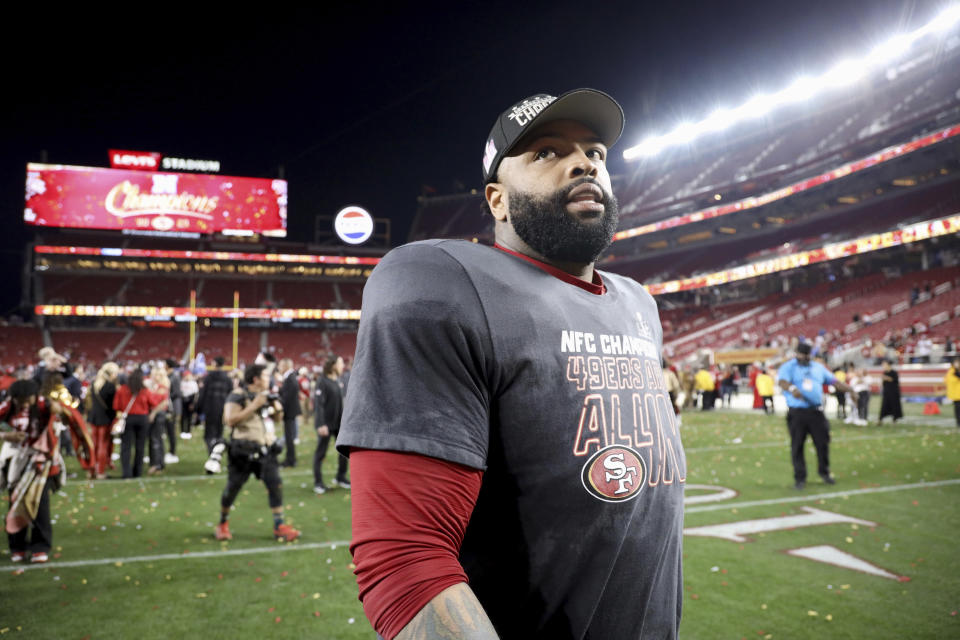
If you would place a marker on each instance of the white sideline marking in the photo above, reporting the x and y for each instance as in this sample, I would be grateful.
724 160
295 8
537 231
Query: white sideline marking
821 496
829 554
183 556
738 531
321 545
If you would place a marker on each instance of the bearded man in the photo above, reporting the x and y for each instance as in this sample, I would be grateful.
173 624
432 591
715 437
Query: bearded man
508 422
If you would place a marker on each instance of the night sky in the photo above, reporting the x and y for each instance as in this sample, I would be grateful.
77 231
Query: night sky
372 104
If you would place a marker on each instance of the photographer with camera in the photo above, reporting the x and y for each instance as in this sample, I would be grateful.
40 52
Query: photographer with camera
253 448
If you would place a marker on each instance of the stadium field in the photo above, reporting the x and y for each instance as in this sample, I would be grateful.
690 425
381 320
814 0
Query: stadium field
875 555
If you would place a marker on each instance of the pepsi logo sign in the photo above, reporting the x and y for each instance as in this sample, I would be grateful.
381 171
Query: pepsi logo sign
353 225
614 474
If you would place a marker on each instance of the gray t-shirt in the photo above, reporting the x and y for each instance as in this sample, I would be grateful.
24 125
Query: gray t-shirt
472 355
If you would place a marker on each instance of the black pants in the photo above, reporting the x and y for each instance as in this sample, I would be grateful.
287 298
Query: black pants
322 443
841 404
134 434
708 399
800 423
767 404
213 428
157 428
289 435
863 404
956 411
40 530
238 472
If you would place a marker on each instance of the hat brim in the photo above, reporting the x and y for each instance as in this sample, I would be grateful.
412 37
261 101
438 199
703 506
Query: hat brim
594 109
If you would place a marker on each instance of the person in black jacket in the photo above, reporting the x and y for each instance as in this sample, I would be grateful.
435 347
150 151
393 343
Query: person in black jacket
213 396
328 401
102 415
290 400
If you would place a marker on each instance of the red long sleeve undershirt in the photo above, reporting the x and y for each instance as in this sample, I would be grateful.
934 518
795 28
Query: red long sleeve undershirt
410 513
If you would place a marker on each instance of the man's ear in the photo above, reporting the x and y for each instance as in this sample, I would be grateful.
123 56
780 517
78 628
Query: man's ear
496 197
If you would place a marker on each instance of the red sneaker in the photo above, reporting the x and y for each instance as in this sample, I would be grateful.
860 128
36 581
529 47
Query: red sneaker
38 558
286 533
222 532
17 556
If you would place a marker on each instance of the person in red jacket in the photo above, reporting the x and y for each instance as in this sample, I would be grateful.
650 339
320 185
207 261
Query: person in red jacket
141 406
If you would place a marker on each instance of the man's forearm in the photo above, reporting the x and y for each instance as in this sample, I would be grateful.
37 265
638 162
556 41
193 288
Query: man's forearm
453 614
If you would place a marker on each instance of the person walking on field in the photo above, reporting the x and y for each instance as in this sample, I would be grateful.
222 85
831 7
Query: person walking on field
252 449
952 382
890 400
329 410
102 415
802 382
488 501
213 396
141 406
290 400
764 387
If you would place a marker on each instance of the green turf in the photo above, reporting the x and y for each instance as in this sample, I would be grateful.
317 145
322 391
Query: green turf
306 589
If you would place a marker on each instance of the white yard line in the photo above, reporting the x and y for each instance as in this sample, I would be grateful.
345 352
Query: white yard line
725 506
183 556
343 543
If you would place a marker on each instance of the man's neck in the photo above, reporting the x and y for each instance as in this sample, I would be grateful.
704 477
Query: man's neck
509 240
333 376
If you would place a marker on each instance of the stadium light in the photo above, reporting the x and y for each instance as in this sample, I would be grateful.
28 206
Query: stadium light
947 18
842 74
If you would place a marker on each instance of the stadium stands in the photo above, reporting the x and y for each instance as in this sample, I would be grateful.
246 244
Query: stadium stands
305 295
81 289
87 346
19 344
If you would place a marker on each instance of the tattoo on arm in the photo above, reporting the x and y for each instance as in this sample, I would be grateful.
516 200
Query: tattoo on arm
453 614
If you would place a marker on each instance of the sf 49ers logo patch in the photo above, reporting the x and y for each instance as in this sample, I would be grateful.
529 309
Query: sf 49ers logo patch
614 474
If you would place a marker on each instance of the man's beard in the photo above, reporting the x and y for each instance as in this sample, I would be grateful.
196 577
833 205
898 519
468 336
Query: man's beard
549 229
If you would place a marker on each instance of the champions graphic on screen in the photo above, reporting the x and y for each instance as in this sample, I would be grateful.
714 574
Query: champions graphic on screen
626 430
127 200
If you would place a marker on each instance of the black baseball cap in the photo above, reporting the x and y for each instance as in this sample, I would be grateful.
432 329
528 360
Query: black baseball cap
804 348
592 108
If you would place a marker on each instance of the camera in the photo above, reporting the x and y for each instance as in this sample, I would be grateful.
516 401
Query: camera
273 397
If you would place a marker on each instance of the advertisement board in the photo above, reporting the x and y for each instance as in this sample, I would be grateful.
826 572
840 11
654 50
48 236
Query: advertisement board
128 200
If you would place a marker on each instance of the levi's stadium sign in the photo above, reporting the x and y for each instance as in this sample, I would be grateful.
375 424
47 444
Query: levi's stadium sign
97 198
153 161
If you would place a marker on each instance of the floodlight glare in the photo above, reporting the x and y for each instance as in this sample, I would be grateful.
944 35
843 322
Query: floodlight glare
649 147
683 134
801 89
947 18
891 49
719 120
843 73
757 106
840 75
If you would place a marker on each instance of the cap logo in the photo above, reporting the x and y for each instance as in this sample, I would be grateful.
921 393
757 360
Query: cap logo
489 154
527 110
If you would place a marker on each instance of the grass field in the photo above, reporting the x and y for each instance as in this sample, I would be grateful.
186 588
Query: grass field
137 558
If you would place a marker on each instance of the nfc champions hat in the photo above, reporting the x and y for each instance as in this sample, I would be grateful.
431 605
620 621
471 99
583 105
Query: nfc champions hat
590 107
